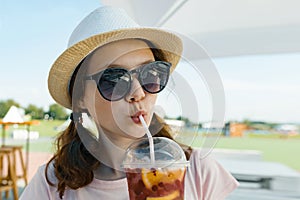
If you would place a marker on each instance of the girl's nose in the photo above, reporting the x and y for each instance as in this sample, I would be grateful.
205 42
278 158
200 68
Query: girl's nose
136 92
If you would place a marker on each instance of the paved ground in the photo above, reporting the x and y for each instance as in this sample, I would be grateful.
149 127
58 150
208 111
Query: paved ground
261 194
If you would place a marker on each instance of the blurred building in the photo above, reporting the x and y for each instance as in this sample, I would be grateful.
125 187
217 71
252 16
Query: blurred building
235 129
288 129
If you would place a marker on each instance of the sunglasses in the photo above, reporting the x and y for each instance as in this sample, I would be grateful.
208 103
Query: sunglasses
115 83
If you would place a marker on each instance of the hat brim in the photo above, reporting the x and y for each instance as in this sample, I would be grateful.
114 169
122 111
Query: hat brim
64 66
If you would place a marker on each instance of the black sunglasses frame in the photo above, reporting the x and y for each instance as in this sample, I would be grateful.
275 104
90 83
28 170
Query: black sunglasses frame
97 77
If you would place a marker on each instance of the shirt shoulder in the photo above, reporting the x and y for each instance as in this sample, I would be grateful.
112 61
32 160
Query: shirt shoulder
39 187
207 178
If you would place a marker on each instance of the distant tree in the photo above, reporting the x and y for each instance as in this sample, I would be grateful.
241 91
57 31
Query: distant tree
247 122
57 112
5 105
34 111
258 125
186 120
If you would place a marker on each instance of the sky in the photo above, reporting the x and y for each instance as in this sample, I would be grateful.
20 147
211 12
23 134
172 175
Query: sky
34 33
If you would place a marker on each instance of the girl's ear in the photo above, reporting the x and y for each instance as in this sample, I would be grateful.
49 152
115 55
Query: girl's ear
81 104
82 108
78 106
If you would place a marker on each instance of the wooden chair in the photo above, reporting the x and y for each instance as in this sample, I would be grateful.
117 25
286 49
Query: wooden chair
18 153
8 178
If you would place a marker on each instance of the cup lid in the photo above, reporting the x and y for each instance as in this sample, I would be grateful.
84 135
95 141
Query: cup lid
167 154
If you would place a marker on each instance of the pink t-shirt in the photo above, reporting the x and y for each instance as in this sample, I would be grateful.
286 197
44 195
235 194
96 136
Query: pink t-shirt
205 179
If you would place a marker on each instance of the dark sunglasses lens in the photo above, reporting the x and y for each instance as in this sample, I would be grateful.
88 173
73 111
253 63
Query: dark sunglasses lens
114 84
154 76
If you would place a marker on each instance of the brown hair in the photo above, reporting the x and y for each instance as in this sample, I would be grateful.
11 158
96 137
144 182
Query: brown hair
73 163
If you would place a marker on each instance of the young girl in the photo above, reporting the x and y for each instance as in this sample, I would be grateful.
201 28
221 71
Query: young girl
109 76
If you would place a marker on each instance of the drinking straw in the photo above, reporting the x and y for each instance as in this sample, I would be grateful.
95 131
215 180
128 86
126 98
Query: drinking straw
149 138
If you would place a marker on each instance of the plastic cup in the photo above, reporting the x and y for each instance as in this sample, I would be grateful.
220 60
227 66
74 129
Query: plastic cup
161 180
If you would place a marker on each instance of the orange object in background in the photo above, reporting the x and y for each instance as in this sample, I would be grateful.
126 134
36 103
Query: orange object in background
5 127
237 129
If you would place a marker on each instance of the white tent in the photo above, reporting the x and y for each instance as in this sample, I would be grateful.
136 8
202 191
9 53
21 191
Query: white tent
17 116
14 115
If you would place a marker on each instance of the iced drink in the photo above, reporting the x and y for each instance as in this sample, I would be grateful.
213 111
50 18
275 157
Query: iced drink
159 184
163 180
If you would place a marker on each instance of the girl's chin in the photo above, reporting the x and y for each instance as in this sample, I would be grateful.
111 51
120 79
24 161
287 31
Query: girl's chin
135 133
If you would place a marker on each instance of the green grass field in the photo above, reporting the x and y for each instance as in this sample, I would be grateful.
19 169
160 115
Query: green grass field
46 131
47 128
283 150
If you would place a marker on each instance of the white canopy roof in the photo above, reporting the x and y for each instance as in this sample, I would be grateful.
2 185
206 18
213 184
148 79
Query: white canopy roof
225 28
14 115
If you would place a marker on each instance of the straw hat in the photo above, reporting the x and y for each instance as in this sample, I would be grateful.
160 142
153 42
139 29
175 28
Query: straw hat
102 26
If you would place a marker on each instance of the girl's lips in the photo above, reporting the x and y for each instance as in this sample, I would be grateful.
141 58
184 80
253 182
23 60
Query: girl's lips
135 118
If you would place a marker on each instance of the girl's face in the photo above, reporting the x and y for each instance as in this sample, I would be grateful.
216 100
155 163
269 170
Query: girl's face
120 118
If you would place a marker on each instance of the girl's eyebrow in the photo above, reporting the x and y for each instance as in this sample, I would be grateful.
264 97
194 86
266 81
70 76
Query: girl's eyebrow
120 66
114 66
